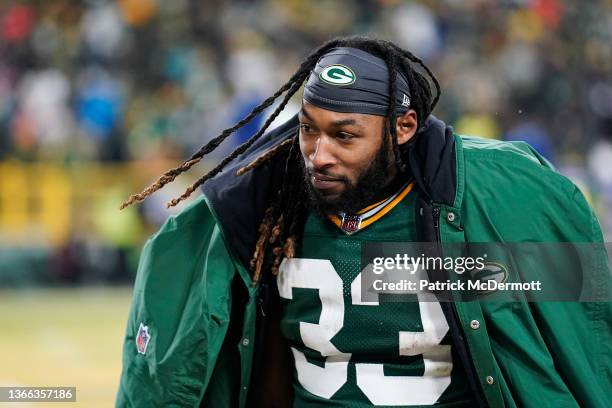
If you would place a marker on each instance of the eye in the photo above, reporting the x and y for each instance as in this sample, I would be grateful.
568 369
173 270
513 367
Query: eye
306 128
344 136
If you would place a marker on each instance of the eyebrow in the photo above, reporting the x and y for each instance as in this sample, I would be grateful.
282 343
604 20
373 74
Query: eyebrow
304 113
337 123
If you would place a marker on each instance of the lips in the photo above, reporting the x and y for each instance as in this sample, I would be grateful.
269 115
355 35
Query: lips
323 182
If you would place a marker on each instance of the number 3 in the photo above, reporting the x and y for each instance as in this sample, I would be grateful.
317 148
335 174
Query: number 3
380 389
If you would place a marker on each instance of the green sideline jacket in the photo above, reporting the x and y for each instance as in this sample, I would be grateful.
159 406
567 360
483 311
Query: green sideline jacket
192 328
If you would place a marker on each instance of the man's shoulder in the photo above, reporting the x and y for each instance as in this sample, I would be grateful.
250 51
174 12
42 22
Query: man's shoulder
513 170
504 163
194 214
480 148
193 225
511 182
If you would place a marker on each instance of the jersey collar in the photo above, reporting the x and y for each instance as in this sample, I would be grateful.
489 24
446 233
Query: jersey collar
350 224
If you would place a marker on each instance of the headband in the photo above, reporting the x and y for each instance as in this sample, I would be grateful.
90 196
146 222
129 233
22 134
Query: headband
350 80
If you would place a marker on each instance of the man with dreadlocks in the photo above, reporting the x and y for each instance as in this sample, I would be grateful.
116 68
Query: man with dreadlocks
252 296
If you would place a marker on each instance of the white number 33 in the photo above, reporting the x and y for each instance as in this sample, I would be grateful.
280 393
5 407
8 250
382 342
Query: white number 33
380 389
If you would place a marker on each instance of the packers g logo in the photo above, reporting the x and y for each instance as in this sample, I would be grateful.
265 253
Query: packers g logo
491 271
337 75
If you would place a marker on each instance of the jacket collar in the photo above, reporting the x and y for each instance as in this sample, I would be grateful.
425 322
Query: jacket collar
432 162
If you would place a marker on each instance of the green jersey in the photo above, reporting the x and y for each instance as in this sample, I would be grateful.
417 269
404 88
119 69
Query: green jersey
353 353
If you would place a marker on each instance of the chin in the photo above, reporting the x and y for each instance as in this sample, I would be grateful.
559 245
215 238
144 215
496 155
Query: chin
329 198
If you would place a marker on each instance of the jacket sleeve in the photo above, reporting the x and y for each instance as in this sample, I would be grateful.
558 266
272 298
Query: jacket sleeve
179 314
579 334
554 350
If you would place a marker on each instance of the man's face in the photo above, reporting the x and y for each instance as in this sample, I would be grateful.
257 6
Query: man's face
345 160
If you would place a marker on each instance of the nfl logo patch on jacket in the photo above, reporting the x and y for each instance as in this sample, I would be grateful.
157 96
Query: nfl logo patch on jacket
142 338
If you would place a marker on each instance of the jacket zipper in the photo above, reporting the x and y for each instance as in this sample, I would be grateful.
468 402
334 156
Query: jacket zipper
436 220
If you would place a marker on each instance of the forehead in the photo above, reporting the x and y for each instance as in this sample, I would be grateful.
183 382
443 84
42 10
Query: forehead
324 116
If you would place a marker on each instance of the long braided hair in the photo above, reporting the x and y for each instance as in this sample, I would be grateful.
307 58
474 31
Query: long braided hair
280 228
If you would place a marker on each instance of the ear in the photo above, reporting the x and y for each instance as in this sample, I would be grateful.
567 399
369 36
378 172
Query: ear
406 126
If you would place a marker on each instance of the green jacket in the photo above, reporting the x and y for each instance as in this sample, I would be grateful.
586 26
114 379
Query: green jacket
195 298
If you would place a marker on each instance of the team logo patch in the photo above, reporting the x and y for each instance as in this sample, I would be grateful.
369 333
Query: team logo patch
142 338
337 75
350 223
490 271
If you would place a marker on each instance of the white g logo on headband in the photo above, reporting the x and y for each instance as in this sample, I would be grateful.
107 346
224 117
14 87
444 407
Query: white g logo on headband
337 75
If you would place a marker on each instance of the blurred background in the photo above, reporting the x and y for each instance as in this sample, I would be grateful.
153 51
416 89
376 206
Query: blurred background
97 97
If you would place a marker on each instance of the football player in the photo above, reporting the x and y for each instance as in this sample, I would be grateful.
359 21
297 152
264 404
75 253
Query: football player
252 295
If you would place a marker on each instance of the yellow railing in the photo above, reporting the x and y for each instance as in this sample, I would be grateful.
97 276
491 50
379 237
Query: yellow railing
47 203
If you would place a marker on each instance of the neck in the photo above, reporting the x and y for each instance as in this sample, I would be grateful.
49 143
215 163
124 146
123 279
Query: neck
394 183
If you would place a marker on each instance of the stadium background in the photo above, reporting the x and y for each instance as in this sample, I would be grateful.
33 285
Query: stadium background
97 97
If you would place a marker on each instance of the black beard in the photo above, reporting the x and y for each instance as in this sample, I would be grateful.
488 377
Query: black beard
357 196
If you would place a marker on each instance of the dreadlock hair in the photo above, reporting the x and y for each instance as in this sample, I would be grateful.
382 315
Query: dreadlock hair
284 218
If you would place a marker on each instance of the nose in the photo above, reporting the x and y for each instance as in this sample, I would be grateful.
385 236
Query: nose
322 155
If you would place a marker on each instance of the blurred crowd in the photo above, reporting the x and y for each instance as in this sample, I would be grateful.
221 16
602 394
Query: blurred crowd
118 82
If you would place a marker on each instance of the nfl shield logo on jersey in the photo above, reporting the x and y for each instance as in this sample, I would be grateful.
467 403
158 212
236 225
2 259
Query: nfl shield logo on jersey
350 223
142 338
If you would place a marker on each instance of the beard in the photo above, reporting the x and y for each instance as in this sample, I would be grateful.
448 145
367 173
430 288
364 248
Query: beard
369 185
